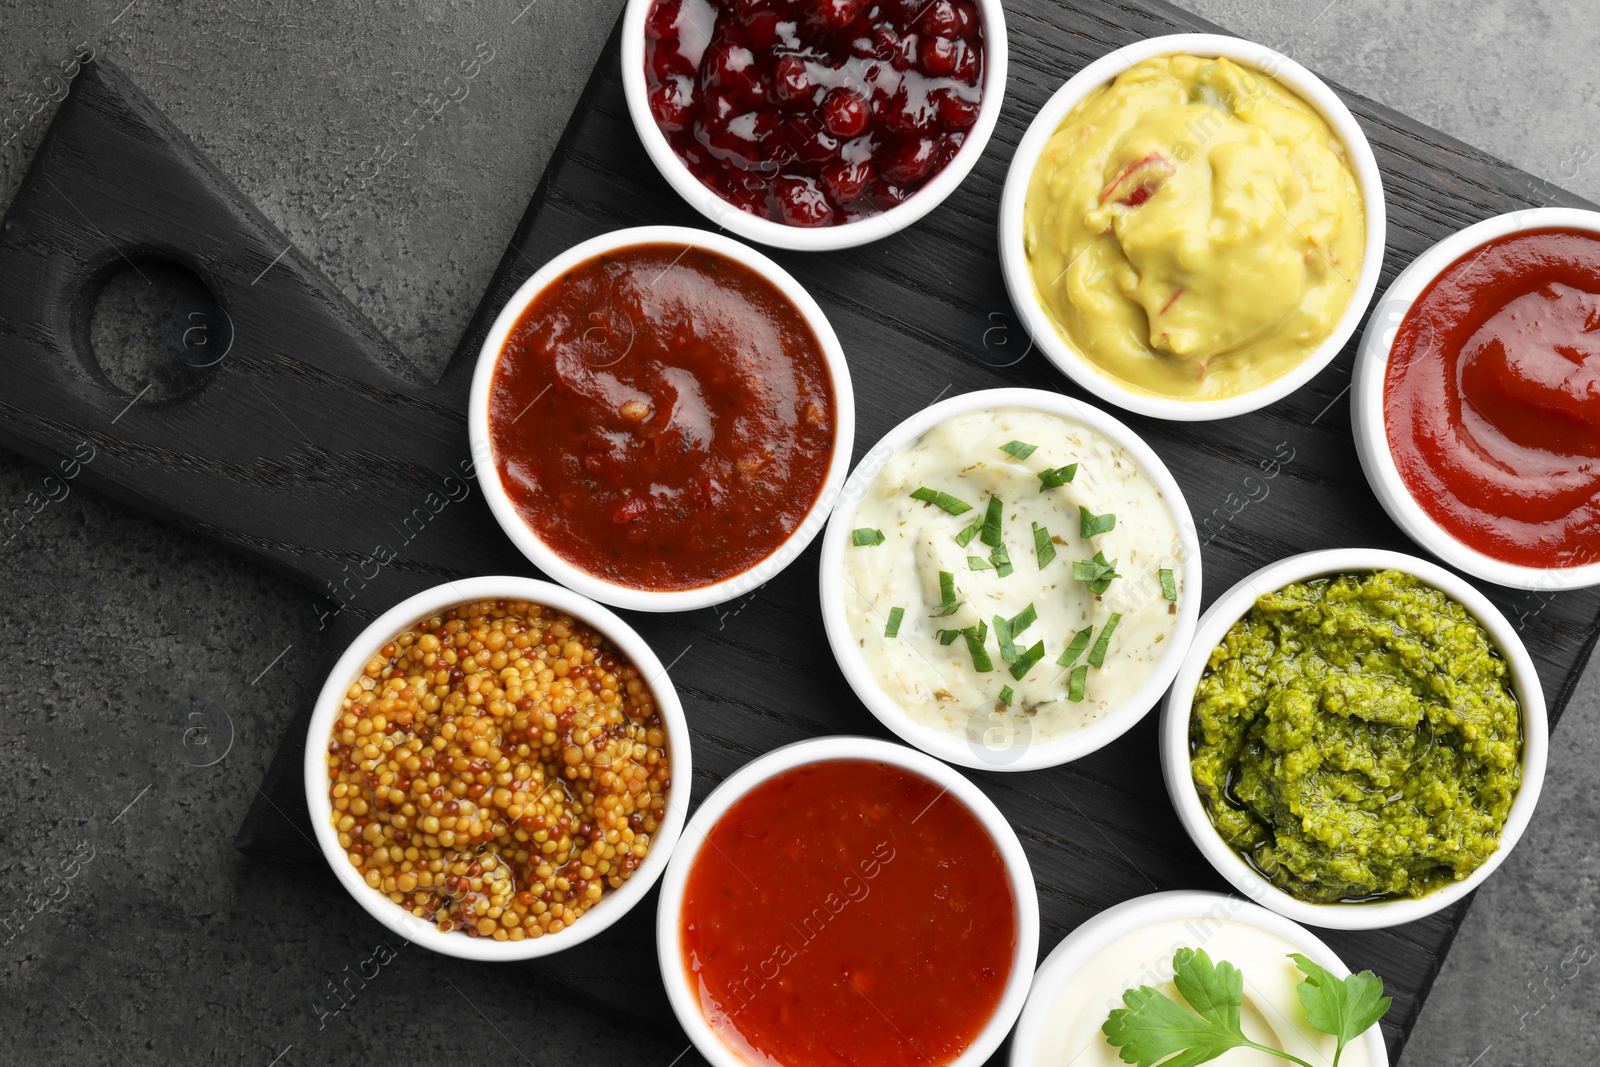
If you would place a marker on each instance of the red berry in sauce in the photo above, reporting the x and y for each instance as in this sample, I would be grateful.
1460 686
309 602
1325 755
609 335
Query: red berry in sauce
967 15
819 112
969 64
844 113
939 19
845 182
956 112
908 162
672 103
789 81
762 29
834 14
937 56
801 203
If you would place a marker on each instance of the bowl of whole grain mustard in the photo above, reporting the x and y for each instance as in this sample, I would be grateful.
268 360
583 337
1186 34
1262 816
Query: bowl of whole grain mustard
497 768
1357 738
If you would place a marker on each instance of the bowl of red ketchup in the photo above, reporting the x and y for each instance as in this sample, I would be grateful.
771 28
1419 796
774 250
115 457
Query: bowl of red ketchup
1476 399
846 900
661 418
814 124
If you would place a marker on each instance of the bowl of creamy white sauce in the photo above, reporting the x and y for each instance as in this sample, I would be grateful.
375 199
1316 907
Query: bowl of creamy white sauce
1010 579
1083 979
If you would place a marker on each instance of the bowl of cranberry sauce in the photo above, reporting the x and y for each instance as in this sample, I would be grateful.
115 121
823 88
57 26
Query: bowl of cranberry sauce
814 124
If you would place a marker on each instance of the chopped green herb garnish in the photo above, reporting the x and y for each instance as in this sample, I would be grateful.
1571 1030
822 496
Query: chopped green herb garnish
992 516
1023 619
978 563
975 636
1043 547
1169 585
965 536
1024 663
941 500
948 604
1098 572
1006 695
1156 1028
1056 477
980 655
989 533
866 536
1019 449
893 628
1075 647
1076 682
1092 525
1097 654
1006 631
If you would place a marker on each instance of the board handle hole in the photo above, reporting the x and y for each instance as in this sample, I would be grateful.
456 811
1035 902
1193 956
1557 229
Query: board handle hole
156 330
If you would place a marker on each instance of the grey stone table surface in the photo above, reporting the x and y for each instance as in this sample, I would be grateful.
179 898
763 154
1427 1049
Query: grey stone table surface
158 942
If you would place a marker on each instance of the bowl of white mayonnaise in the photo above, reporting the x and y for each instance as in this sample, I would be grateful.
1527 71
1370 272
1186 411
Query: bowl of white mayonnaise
1010 579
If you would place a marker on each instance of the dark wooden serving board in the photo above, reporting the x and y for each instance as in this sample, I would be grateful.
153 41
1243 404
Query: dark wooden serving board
307 449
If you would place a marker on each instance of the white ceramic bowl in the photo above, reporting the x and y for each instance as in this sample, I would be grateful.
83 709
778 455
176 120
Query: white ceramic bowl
615 902
1078 948
961 750
685 998
1370 426
820 238
1019 280
595 586
1232 606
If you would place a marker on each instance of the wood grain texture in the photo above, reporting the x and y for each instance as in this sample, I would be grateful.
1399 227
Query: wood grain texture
307 447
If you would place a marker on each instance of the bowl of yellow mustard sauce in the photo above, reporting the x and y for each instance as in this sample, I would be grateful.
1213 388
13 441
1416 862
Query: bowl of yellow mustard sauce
1192 227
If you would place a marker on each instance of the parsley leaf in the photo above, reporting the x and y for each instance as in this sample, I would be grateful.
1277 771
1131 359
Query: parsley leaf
1006 695
1056 477
940 500
1091 525
978 563
965 536
1043 547
1019 449
1344 1008
1075 683
1098 572
866 536
1154 1028
892 629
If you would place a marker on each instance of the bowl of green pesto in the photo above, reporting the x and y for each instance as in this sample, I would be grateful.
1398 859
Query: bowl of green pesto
1356 739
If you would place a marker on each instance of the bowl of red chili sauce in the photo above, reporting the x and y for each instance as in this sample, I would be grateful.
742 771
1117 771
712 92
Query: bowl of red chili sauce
661 418
814 125
846 900
1477 399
